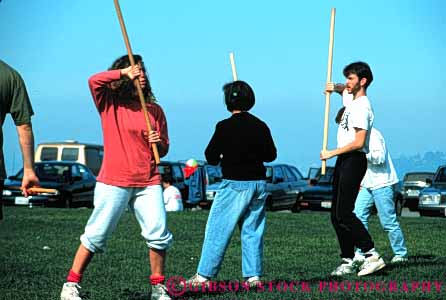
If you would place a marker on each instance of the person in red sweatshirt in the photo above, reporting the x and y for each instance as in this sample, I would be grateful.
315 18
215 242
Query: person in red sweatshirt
129 176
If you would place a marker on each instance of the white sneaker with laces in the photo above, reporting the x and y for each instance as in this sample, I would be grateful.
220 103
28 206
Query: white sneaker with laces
372 263
70 291
159 292
345 268
397 259
253 281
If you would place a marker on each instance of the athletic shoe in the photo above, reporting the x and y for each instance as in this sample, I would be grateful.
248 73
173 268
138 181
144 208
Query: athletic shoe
345 268
253 282
197 281
397 259
358 260
373 262
70 291
159 292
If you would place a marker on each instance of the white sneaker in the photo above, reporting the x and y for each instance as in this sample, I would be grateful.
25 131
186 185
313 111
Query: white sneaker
358 260
70 291
159 292
345 268
397 259
197 280
372 263
253 281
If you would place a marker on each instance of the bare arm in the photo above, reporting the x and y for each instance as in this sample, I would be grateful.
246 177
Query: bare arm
357 144
26 140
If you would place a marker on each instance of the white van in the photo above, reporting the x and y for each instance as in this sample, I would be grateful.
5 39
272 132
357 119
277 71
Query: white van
89 155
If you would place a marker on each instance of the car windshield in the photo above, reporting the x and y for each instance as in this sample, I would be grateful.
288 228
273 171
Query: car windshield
441 176
418 177
327 177
164 169
52 172
269 174
313 172
48 172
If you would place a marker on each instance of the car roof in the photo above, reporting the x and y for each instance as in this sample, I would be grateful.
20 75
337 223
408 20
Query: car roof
72 143
421 172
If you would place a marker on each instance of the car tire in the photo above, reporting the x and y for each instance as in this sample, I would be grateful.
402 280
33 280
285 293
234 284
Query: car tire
269 204
399 207
68 201
296 206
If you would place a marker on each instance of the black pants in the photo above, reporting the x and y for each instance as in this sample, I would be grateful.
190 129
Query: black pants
1 200
349 170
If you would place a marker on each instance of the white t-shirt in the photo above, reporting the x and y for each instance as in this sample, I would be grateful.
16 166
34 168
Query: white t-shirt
358 114
172 199
380 170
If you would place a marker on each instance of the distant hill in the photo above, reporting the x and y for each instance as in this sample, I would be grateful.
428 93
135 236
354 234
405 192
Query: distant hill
429 161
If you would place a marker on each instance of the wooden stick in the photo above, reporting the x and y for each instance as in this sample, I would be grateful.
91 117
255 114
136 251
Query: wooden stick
35 190
138 85
327 95
234 70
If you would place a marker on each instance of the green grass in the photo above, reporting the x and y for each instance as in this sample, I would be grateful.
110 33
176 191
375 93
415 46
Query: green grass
298 247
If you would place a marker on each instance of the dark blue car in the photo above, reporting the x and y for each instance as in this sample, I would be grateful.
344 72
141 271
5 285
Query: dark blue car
319 193
74 183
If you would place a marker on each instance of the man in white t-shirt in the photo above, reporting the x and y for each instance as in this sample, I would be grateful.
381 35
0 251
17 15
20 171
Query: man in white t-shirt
351 166
171 194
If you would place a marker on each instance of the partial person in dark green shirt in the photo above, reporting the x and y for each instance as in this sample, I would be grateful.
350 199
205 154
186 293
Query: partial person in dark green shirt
14 100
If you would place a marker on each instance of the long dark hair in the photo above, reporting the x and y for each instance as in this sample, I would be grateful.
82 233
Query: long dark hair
124 87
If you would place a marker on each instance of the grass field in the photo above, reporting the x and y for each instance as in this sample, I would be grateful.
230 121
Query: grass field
298 248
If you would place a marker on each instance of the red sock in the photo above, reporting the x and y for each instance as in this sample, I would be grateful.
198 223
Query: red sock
74 277
155 279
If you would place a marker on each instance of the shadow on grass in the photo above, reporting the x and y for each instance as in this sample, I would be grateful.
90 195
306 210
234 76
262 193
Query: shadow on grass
418 260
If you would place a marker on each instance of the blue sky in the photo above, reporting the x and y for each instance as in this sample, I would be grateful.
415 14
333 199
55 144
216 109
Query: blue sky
280 47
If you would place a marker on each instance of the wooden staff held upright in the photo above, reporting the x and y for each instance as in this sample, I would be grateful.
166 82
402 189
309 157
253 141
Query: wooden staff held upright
234 71
327 95
138 85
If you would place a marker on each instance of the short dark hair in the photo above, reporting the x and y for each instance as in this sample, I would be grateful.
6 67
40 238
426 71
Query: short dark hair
238 96
124 87
167 178
361 69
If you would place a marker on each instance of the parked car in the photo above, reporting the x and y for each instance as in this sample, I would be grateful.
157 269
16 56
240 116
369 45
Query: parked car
413 183
319 194
284 184
212 178
432 199
90 155
74 183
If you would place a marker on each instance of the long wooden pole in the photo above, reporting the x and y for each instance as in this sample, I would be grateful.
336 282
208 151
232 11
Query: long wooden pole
327 95
234 70
138 85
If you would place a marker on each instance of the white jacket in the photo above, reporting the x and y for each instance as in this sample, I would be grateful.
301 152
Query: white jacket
380 169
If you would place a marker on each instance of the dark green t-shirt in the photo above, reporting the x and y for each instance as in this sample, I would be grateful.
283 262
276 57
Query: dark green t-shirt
14 100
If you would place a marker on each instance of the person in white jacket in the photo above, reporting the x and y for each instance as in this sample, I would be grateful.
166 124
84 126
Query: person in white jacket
171 194
377 188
